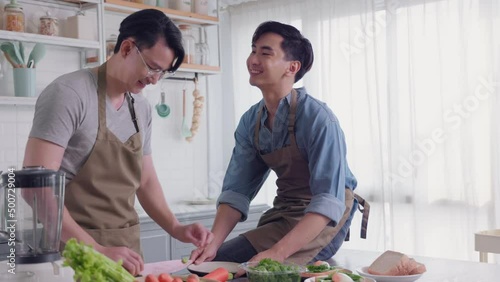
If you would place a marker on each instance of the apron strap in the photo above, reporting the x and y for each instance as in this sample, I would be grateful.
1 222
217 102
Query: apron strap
131 102
257 129
364 208
291 119
101 96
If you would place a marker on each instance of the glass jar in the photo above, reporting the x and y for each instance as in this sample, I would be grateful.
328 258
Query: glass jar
188 42
181 5
13 17
202 49
110 45
49 25
200 7
91 56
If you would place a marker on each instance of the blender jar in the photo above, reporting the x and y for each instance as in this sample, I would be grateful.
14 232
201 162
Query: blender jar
33 203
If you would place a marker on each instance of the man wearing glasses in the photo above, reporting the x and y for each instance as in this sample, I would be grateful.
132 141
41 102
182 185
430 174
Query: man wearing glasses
93 125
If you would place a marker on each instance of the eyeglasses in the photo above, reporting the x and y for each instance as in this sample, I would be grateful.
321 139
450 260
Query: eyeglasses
154 72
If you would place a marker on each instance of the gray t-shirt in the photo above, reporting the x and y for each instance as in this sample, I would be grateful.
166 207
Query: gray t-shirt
66 114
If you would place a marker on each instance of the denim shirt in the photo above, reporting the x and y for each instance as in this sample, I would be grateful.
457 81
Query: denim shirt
321 143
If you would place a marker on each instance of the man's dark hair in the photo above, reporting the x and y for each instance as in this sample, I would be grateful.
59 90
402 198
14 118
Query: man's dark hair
295 46
147 27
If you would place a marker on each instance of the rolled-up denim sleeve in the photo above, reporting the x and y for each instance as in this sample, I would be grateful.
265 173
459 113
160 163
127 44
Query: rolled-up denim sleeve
327 167
245 174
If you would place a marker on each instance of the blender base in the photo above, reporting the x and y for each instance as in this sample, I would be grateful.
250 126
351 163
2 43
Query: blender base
44 272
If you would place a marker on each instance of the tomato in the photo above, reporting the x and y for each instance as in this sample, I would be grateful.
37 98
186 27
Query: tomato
165 277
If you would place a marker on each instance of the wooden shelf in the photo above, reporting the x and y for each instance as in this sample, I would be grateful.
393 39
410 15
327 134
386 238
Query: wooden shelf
121 6
81 2
199 69
76 4
10 100
49 40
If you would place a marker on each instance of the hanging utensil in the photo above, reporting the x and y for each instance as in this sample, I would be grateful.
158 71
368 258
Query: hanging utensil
185 131
162 109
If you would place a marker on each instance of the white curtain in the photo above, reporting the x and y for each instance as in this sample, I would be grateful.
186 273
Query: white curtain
415 86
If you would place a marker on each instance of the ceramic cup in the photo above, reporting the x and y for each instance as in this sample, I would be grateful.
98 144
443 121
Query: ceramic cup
25 82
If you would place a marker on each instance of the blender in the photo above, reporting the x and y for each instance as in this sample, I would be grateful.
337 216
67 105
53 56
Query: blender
32 206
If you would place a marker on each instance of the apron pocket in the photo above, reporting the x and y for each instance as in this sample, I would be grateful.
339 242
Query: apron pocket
120 237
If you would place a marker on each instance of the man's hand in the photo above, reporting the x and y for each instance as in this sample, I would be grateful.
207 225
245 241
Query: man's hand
270 253
204 254
194 233
132 261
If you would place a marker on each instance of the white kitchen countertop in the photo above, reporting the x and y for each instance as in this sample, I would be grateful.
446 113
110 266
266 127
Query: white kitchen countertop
438 269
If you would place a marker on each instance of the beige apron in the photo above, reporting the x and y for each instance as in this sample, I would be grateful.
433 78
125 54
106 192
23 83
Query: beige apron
293 196
101 196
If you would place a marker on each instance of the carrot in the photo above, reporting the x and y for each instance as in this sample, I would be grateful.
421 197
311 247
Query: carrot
165 277
192 278
151 278
220 274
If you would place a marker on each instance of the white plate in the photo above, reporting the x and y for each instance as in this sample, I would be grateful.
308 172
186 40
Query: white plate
365 279
209 266
382 278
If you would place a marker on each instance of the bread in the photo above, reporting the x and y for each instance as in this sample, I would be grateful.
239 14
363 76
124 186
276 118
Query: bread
392 263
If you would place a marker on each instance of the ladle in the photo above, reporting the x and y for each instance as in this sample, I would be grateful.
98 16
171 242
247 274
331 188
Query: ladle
185 130
162 109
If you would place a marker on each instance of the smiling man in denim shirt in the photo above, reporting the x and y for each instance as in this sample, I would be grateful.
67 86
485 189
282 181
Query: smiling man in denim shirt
299 138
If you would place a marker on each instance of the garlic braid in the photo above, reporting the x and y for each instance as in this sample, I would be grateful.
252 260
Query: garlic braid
197 109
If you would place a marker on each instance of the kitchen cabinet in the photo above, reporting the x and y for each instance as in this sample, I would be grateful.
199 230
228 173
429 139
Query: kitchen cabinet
157 245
